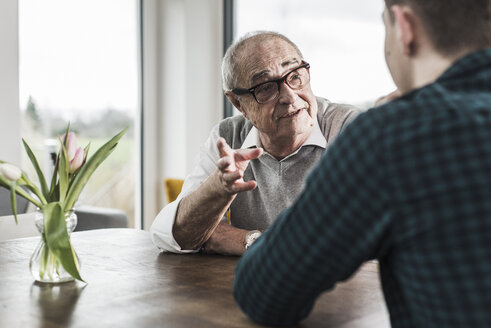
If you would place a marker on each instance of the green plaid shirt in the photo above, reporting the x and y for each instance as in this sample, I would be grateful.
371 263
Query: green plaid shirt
407 183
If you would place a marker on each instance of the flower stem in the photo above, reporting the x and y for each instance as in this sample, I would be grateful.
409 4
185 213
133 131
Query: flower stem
24 194
29 184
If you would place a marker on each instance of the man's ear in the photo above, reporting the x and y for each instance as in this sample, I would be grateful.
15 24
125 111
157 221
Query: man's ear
405 24
234 99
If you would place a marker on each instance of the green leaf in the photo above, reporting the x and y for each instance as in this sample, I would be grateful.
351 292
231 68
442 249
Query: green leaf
42 179
4 182
88 168
66 134
58 240
24 180
63 173
86 151
44 258
52 190
56 193
13 200
21 192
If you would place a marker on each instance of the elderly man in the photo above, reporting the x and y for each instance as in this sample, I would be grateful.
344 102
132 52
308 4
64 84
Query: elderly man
407 183
252 165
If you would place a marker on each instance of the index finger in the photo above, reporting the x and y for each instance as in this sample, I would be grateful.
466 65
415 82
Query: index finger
223 148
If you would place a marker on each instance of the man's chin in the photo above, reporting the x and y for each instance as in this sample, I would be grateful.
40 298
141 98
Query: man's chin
296 127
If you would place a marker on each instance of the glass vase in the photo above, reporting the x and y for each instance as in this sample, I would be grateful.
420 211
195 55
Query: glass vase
44 265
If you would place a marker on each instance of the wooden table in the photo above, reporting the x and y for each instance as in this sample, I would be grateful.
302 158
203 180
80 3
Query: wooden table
131 285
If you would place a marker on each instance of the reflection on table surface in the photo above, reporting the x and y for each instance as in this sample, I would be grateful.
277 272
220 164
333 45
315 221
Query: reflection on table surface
130 284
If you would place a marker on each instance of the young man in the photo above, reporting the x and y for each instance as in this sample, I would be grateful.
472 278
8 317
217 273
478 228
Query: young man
267 80
407 183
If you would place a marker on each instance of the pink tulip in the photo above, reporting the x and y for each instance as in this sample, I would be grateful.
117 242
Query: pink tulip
71 145
11 172
78 159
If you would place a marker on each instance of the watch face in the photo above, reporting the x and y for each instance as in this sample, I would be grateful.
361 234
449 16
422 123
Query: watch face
255 236
251 238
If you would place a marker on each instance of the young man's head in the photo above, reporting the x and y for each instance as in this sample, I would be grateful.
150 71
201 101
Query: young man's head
424 37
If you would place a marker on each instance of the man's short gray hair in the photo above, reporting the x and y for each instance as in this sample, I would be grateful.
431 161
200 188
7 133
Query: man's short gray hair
231 59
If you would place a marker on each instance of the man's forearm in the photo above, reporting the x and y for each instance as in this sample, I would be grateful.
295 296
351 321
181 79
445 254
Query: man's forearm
200 212
226 240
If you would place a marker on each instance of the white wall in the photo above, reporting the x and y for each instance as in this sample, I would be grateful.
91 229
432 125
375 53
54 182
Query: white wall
10 142
183 46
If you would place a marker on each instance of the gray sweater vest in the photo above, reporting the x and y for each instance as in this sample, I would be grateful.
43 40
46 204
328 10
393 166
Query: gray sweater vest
279 182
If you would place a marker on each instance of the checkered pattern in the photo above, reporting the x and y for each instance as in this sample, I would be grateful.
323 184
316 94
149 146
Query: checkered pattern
409 184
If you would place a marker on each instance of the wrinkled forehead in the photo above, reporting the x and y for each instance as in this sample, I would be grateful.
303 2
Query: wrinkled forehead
261 60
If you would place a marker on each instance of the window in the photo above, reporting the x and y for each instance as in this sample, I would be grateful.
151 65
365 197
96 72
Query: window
342 40
79 64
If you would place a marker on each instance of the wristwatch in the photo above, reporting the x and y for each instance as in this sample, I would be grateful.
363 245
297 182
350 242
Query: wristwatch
251 237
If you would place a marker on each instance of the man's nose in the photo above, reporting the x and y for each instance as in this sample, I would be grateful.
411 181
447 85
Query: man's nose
287 95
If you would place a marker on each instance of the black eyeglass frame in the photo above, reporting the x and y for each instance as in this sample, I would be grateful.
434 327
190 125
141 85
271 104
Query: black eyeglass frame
240 91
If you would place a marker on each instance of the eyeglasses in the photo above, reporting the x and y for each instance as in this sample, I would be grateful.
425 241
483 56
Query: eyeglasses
270 90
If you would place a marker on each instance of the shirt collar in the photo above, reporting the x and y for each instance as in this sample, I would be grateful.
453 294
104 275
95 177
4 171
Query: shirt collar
316 138
475 61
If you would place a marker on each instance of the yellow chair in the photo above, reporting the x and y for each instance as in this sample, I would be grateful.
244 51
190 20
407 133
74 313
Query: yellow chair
173 188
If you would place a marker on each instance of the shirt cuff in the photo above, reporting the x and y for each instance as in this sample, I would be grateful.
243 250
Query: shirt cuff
161 230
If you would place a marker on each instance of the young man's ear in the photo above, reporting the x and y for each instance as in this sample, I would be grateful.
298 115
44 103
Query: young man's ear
405 28
234 99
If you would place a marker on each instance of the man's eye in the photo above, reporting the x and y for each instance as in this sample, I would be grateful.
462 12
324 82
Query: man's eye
268 87
295 76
